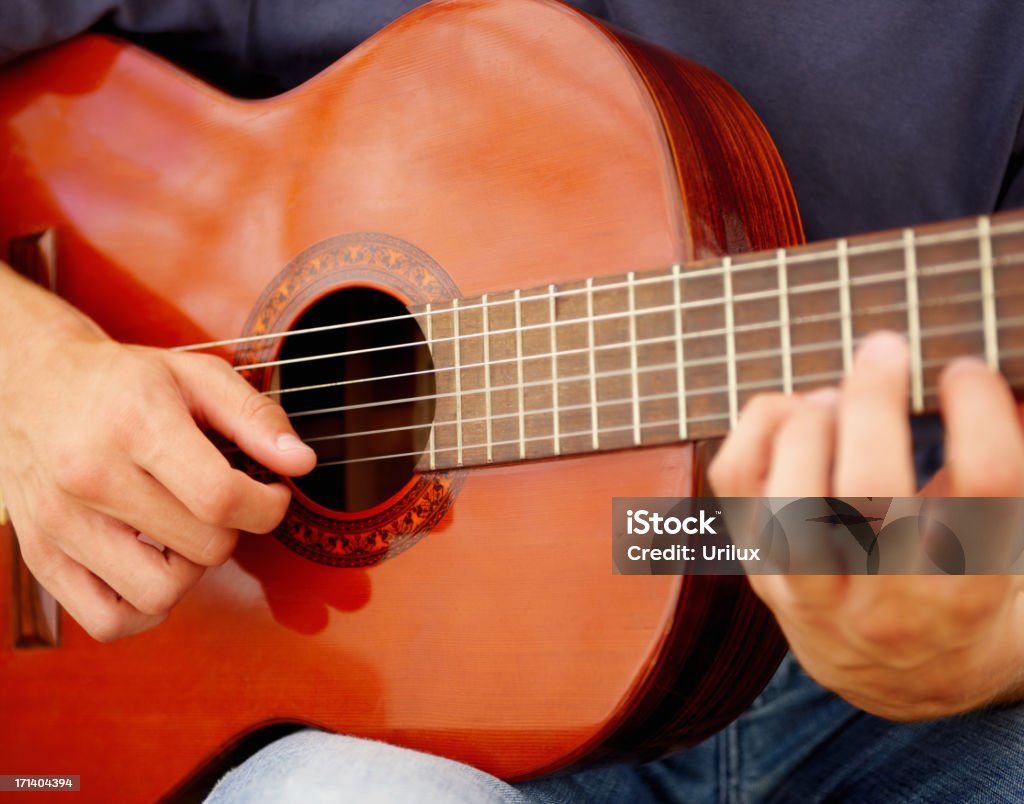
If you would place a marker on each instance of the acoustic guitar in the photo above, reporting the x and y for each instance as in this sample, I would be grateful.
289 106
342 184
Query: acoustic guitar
500 264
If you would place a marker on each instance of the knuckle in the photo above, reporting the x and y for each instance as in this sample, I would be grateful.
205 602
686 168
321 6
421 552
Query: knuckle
197 366
78 474
105 624
138 369
256 406
210 362
142 423
218 502
890 627
217 549
159 597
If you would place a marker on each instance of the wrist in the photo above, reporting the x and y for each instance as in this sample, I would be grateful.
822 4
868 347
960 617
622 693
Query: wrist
34 319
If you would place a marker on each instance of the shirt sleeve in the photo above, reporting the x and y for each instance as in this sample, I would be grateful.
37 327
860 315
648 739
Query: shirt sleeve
27 25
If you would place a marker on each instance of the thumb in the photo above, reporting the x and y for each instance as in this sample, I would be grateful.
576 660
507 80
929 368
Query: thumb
217 395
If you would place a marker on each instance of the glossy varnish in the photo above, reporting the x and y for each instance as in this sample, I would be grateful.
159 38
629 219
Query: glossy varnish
518 144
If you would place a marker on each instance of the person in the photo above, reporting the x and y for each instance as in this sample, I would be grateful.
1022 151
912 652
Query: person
886 115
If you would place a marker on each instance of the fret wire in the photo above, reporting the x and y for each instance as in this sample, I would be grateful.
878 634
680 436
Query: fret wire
487 381
844 305
796 256
519 373
458 383
592 362
810 348
431 446
552 314
877 279
784 323
634 375
730 342
823 377
988 293
913 320
678 323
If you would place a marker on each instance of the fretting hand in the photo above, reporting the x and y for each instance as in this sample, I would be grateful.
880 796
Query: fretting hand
904 647
100 442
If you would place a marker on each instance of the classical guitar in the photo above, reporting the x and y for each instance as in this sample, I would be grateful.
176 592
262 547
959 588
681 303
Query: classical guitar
500 264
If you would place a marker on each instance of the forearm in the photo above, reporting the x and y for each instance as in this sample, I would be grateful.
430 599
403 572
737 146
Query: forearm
28 312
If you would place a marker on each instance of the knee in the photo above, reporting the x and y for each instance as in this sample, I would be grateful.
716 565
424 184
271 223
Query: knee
313 766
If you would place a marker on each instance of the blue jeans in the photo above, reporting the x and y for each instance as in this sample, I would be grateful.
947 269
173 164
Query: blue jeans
797 742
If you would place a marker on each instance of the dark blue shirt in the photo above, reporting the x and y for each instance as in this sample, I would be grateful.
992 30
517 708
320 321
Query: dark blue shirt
886 112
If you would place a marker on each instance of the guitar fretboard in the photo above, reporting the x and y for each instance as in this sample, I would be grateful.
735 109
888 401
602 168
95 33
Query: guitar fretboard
674 354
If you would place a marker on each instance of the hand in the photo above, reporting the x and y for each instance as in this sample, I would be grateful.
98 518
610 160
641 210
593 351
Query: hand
903 647
103 442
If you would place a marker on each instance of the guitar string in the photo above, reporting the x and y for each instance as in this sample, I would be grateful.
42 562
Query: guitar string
944 269
741 329
705 362
793 255
712 417
694 392
721 389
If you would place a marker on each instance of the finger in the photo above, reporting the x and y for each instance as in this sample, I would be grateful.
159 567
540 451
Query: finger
145 506
802 467
741 465
874 449
150 579
194 471
103 613
984 444
232 407
801 464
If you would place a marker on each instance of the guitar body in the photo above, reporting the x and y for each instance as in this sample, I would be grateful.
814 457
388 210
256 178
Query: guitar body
502 144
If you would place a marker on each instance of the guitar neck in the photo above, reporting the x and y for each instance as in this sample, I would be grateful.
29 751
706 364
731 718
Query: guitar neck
673 354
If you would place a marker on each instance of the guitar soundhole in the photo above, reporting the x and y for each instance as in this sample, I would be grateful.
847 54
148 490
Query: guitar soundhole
360 389
360 392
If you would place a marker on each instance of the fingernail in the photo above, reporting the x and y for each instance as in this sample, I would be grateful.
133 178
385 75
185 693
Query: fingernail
288 442
966 363
824 397
884 345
